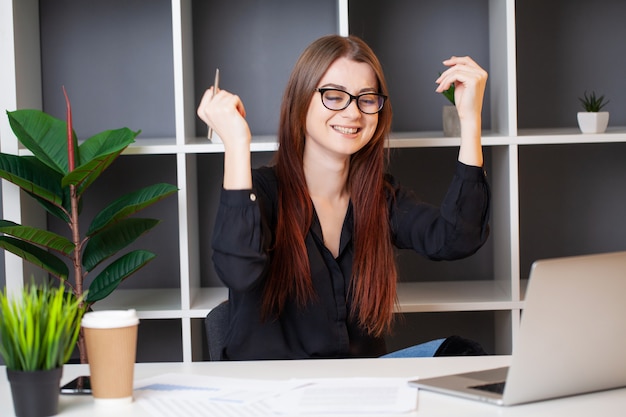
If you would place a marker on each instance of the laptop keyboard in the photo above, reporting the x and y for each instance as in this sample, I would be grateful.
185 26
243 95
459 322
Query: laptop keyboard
496 387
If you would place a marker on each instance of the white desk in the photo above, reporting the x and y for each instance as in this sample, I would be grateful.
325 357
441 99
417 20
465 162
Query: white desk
602 404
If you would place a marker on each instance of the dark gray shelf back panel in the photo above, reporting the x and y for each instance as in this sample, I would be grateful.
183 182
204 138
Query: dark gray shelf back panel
412 38
572 200
255 44
567 47
114 58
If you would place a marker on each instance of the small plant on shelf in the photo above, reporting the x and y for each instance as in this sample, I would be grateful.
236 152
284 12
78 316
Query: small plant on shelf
592 103
593 120
450 116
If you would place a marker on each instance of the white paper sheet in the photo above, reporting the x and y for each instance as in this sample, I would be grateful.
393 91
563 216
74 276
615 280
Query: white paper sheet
217 389
356 396
172 395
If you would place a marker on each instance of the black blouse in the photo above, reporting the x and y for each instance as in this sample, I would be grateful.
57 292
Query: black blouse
243 229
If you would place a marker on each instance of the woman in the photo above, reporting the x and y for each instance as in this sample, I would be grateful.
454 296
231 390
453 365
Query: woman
306 246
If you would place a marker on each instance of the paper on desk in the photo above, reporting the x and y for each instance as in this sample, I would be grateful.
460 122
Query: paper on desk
229 390
356 396
196 395
172 395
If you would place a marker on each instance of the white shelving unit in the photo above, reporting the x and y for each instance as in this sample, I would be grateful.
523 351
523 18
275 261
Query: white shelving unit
183 298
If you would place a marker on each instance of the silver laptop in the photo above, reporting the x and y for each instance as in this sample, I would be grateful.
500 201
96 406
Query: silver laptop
572 337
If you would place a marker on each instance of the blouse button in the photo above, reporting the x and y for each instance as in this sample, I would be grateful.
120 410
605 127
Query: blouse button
252 197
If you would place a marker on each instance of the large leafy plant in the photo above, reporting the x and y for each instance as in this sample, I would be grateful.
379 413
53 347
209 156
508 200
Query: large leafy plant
57 175
39 327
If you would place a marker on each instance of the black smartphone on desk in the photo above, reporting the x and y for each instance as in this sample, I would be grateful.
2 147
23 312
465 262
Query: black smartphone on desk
78 386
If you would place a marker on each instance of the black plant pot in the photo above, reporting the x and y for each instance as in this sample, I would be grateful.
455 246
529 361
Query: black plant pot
36 393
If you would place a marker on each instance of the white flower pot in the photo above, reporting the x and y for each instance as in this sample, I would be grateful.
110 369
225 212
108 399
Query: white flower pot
451 122
593 122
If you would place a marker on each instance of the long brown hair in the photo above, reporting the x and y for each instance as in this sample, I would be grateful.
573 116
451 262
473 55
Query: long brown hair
373 280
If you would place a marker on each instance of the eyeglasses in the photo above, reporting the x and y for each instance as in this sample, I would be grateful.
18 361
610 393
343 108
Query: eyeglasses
368 103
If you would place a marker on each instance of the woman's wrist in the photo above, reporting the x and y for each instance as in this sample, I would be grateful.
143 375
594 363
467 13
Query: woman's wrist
470 151
237 168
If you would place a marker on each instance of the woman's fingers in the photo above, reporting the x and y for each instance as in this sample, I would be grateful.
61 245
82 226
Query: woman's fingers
461 69
469 80
225 113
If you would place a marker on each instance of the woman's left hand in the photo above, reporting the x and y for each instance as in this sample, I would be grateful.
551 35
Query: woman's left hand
469 81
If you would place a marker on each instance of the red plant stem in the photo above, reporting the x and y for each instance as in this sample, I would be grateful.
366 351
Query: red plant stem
70 138
78 271
74 226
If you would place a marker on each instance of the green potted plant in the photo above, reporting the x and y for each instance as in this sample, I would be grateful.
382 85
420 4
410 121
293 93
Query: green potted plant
450 116
56 176
39 327
593 120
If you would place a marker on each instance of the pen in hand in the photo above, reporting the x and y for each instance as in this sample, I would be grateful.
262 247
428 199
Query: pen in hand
215 87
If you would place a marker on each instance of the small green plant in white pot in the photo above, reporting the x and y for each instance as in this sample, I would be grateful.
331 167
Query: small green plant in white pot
450 116
39 327
593 120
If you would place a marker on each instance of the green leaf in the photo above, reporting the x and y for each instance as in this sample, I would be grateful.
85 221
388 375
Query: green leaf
53 209
106 143
96 154
449 93
129 204
111 240
591 103
38 236
35 255
45 136
32 177
111 277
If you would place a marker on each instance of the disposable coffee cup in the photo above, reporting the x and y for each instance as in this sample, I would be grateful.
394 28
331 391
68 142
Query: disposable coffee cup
111 339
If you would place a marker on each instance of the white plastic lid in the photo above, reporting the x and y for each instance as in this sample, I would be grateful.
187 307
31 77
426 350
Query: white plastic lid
107 319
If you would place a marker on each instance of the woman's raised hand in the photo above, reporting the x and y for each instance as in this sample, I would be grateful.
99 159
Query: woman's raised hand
225 114
469 80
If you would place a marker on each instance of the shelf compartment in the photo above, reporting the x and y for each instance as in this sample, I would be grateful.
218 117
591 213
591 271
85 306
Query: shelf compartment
414 328
160 341
257 65
415 297
570 200
114 77
562 51
150 303
411 39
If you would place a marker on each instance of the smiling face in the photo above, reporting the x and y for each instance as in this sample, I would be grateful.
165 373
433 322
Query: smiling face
344 132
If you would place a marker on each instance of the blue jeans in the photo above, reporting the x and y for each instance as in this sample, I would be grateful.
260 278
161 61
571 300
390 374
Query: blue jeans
423 350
